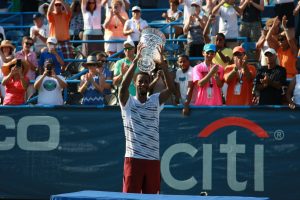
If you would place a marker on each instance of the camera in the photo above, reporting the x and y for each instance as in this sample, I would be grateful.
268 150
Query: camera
19 63
49 69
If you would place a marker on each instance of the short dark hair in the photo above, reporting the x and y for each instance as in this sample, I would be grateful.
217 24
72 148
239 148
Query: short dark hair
183 56
142 74
221 35
26 38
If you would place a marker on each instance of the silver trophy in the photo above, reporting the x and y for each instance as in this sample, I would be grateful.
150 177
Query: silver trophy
151 38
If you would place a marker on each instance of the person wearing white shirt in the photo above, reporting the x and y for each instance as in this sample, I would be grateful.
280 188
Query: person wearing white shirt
91 12
50 86
134 26
39 33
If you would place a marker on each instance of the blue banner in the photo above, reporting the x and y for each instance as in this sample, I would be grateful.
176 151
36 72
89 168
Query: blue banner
223 151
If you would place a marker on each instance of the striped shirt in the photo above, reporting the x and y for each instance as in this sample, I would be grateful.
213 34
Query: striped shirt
141 126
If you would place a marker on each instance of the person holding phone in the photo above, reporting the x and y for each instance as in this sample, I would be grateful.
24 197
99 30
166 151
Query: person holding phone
15 83
50 86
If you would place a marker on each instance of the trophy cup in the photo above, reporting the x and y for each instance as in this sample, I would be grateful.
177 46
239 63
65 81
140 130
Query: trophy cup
151 38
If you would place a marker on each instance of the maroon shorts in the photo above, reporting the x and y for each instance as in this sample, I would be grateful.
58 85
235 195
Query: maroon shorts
141 176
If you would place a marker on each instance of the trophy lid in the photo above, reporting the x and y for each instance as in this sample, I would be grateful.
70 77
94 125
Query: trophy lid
156 32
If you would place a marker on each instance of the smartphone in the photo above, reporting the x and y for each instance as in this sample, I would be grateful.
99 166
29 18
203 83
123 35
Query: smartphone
193 10
19 63
49 69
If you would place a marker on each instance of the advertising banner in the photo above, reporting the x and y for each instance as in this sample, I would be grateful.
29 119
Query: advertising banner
223 151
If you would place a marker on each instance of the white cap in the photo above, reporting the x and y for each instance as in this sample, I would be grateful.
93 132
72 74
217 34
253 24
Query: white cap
52 40
134 8
197 2
270 50
130 42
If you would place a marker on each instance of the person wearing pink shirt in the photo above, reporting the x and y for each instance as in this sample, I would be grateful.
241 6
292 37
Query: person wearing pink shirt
29 58
208 79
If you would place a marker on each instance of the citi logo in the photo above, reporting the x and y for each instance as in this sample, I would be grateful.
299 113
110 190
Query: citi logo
229 150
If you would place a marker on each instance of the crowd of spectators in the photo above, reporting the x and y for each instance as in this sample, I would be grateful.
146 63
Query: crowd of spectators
225 77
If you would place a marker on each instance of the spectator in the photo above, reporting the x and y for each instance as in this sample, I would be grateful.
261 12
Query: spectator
103 69
293 92
208 79
286 8
39 33
76 25
108 5
114 25
121 66
224 54
184 83
194 27
28 57
269 81
141 124
287 50
53 54
250 26
91 11
134 26
15 83
187 7
228 24
50 86
173 14
268 38
43 10
6 55
59 17
92 84
239 76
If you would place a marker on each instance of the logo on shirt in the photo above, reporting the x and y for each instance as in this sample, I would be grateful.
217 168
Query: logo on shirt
49 85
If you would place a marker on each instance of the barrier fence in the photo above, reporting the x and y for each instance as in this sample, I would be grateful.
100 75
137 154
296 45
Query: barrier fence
225 151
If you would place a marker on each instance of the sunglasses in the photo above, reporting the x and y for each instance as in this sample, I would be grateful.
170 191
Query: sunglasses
57 4
28 43
281 39
91 2
128 48
136 11
210 53
239 54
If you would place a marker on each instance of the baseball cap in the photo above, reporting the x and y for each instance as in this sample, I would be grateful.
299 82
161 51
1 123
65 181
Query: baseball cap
270 50
130 42
209 47
134 8
52 40
238 49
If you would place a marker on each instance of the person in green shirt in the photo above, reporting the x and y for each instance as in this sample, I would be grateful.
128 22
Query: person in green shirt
121 66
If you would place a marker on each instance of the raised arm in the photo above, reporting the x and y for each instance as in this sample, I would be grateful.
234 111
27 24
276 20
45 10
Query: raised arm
123 90
289 37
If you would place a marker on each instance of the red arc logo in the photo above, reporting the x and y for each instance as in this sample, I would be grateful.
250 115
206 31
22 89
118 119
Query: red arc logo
233 121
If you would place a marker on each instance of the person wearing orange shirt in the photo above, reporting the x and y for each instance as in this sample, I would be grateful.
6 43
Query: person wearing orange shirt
59 17
239 77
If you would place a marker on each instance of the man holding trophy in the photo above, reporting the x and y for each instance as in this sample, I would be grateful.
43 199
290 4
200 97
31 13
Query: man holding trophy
140 115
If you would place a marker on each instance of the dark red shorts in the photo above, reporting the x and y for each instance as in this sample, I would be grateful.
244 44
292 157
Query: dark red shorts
141 176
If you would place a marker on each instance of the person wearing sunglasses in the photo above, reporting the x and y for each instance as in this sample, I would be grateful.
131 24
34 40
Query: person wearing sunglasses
239 76
29 58
121 66
208 79
59 17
